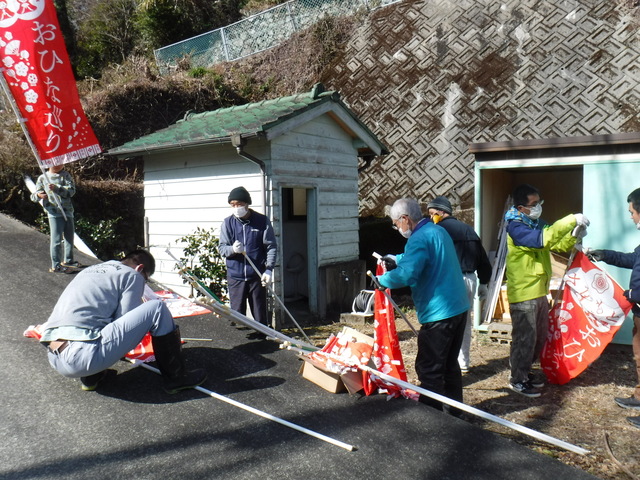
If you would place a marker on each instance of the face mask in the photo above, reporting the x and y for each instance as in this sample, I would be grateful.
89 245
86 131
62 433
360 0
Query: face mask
436 218
638 225
240 211
406 233
535 212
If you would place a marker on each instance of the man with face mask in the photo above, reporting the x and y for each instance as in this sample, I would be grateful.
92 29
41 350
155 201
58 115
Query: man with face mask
629 260
528 266
430 267
243 234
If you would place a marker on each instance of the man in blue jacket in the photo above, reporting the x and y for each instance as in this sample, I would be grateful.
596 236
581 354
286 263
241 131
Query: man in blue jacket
247 233
430 267
629 260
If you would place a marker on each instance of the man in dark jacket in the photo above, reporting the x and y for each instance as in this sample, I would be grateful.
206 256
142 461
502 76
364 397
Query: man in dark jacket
247 237
472 257
632 261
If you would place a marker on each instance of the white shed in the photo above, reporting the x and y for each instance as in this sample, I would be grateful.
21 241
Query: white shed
298 157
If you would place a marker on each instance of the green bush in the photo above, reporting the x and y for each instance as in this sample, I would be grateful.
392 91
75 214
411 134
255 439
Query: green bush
201 256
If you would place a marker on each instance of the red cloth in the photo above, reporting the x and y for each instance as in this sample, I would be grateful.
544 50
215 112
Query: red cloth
387 356
580 326
38 73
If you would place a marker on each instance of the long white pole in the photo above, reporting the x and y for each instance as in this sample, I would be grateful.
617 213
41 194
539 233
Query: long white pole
467 408
273 294
395 305
260 413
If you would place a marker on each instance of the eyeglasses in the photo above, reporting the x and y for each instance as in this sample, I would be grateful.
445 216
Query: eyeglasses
534 205
394 226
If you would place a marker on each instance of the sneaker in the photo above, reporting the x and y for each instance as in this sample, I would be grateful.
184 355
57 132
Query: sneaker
90 383
630 402
536 381
72 264
524 388
61 269
635 421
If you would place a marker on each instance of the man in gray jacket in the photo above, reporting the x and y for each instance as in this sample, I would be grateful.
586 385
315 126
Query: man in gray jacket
100 317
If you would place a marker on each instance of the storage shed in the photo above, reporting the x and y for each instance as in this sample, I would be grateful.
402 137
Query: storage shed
298 156
588 174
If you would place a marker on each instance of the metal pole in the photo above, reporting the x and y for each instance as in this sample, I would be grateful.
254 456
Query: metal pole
461 406
273 294
395 305
260 413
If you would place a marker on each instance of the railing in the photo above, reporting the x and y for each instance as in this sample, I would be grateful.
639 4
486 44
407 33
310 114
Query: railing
259 32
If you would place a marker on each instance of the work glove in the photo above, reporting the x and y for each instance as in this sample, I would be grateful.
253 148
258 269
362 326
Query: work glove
579 232
483 291
581 219
594 255
266 278
389 262
238 247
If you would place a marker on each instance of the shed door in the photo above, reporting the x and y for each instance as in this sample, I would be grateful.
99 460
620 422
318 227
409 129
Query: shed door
299 249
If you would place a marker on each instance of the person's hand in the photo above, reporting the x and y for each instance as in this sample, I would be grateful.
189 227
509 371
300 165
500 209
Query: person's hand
389 262
377 284
483 291
581 220
594 255
52 187
579 232
266 278
238 247
42 195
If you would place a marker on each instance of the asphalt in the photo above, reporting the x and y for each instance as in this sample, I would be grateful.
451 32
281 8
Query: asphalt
129 428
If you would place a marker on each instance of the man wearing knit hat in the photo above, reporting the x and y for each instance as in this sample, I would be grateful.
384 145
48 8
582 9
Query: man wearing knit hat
472 257
247 233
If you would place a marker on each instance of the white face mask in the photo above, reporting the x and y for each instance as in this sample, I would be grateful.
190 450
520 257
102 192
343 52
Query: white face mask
638 225
240 211
406 233
535 212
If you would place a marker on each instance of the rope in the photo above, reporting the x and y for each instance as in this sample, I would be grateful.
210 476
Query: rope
363 302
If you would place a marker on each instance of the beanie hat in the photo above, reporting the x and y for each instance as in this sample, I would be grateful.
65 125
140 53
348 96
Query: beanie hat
441 203
239 194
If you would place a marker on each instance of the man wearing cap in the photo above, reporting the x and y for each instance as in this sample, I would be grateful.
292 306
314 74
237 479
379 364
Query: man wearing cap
472 257
247 233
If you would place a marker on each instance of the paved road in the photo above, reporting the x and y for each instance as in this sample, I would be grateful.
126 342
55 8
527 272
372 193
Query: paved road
129 428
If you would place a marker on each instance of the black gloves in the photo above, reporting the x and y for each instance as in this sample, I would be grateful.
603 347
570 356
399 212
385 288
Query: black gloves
595 255
389 262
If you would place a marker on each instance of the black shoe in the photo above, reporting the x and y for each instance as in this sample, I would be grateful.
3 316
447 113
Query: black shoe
524 388
536 381
631 402
635 421
90 383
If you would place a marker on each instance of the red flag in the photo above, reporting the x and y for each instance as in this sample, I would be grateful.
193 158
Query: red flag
386 356
580 326
36 67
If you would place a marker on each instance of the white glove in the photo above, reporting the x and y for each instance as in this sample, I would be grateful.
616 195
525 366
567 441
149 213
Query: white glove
579 232
238 247
266 278
483 291
581 220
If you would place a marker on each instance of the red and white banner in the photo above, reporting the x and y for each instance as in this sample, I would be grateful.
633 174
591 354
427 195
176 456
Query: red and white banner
580 326
36 67
386 355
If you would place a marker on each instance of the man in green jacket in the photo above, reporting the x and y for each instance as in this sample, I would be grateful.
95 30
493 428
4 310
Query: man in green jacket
528 264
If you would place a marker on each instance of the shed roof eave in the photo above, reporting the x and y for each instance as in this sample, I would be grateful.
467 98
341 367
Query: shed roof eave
174 146
556 142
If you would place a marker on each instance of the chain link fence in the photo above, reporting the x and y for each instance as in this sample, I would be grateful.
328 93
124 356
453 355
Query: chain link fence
259 32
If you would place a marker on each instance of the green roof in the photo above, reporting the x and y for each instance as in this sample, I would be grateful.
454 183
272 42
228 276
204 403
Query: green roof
254 120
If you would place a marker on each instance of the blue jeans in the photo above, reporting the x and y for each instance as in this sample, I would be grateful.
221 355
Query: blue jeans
61 229
81 359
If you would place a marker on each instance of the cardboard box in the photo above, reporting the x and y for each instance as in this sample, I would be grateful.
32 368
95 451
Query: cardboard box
334 382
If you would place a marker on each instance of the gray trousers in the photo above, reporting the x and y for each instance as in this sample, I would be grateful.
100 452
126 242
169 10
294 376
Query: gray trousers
81 359
530 323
